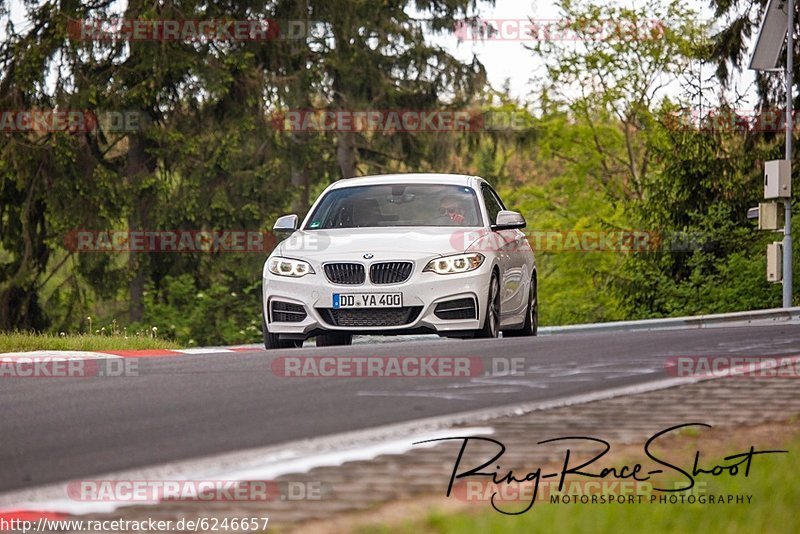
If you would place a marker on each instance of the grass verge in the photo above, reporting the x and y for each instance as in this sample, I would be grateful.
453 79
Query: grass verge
26 341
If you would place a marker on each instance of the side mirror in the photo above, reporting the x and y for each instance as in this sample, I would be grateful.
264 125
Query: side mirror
287 224
509 220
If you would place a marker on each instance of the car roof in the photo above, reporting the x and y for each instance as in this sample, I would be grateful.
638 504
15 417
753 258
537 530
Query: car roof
433 178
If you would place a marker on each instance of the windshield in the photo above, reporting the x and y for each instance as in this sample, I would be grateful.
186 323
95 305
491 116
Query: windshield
396 205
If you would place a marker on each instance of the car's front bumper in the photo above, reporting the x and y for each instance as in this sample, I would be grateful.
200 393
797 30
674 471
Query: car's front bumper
422 291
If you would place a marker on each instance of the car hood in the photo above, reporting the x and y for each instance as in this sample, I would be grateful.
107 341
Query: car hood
382 243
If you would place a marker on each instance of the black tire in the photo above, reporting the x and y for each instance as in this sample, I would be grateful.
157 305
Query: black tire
334 339
491 322
531 325
273 341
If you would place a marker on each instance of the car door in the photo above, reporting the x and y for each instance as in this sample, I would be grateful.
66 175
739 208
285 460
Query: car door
513 289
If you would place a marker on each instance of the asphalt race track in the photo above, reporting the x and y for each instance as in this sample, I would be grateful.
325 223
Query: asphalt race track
180 407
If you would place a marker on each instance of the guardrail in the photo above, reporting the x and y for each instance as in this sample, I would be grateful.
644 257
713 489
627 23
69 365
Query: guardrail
697 321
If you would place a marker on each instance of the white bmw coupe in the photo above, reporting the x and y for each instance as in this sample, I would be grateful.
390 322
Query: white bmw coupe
400 254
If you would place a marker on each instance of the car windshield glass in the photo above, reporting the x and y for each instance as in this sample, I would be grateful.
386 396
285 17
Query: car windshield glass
396 205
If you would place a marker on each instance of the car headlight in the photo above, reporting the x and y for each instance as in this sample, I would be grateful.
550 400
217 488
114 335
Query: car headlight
460 263
289 267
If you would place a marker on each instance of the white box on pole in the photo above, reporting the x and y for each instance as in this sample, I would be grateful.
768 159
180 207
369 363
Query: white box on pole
775 262
777 179
769 216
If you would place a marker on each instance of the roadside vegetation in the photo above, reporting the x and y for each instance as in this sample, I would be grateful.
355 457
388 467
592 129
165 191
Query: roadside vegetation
101 339
598 145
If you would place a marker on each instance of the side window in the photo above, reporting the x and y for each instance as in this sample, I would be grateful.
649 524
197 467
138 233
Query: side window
493 203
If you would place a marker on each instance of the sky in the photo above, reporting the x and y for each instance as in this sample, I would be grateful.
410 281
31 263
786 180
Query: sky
509 60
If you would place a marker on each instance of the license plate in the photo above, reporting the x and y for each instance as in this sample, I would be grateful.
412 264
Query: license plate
367 300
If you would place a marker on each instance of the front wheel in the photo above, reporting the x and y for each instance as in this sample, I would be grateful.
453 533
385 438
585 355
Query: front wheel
531 317
273 341
491 324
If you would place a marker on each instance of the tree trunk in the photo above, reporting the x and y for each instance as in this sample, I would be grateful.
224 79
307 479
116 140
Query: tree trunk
138 166
300 176
300 181
20 310
346 154
19 301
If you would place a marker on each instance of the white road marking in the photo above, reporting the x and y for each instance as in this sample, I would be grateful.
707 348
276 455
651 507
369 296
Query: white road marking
203 350
258 464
